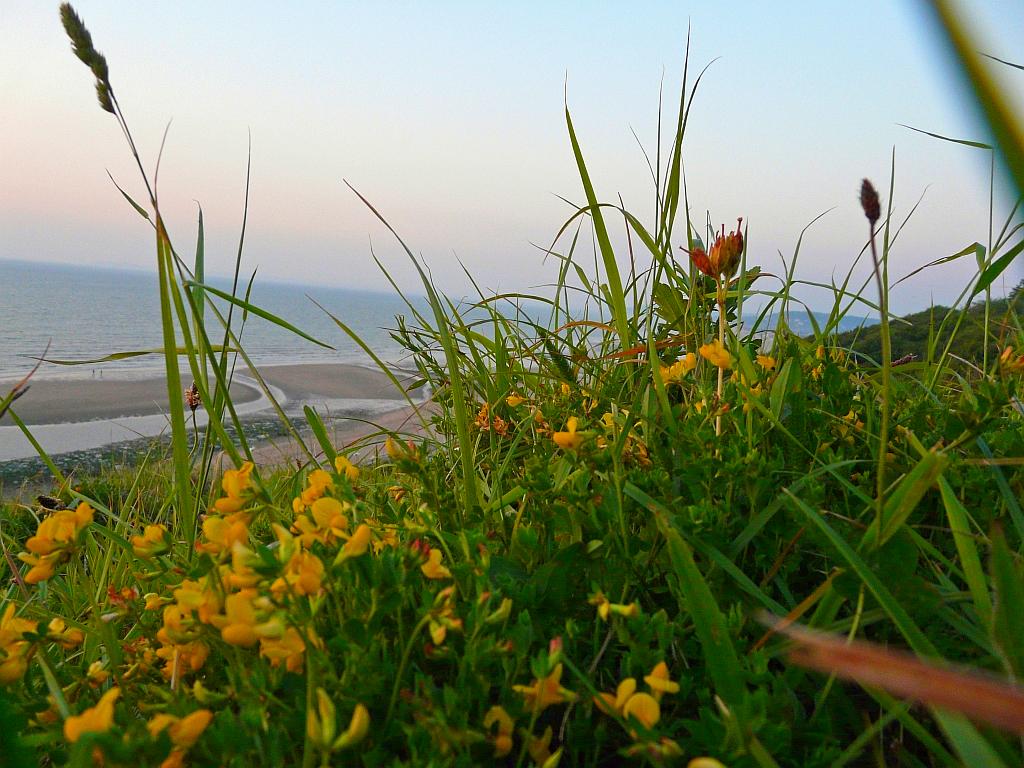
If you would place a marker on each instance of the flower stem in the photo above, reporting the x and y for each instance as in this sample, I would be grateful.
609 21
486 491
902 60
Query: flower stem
721 371
883 427
407 651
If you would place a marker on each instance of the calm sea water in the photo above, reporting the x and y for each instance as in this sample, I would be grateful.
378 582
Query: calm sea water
90 312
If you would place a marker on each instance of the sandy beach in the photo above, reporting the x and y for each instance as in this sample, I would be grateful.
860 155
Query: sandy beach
83 414
62 401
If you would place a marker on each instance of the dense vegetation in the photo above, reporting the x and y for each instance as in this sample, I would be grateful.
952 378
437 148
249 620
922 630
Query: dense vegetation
601 550
928 334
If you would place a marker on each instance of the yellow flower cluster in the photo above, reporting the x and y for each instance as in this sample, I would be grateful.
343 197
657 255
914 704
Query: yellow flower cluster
716 354
55 539
674 373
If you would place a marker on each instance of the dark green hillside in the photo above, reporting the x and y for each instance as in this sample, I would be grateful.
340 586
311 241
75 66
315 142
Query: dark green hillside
919 332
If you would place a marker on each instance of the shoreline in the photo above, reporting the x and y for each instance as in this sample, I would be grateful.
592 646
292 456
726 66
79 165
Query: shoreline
75 415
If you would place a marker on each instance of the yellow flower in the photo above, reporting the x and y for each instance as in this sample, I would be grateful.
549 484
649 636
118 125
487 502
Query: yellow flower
151 543
303 574
612 704
180 657
68 638
241 574
236 484
97 675
514 400
240 624
716 354
325 522
288 648
704 762
399 451
221 533
346 468
568 440
358 543
605 607
318 482
197 596
41 568
185 731
357 729
659 681
678 369
96 719
1009 363
644 708
13 647
539 747
502 738
322 723
545 691
55 538
767 362
433 569
59 529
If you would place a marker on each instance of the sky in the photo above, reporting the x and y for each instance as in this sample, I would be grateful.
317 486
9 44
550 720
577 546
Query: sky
448 117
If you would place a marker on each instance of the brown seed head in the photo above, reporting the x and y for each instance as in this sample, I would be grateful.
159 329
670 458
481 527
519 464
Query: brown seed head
869 201
192 399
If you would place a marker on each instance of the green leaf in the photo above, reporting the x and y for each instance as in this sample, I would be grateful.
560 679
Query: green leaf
1008 619
780 388
616 297
141 211
996 268
963 538
320 432
902 501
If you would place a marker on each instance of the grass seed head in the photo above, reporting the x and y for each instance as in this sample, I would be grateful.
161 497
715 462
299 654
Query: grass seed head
81 44
869 201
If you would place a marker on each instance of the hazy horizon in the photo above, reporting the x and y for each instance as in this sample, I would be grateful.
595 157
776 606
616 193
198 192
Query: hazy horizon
450 120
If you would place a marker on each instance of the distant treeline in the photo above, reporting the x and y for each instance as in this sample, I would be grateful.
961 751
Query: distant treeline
921 331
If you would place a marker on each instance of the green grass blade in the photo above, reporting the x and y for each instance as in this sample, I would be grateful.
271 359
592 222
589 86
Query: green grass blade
1008 624
259 312
963 537
179 433
989 98
467 452
616 296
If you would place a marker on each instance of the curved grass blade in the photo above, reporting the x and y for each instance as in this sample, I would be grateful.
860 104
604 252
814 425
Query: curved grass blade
249 307
119 356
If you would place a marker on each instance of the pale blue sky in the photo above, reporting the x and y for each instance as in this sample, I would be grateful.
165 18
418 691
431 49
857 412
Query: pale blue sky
448 116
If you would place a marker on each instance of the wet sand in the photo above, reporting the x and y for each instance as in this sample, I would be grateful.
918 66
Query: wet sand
70 415
50 401
64 401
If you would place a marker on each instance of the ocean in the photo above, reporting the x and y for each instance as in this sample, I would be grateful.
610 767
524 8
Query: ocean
90 312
